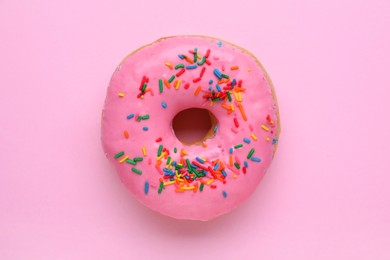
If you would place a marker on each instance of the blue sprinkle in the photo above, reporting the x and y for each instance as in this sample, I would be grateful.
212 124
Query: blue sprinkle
219 44
233 82
210 88
215 128
181 56
216 167
199 160
274 141
146 190
164 105
218 73
224 194
224 173
211 81
246 164
255 159
130 116
145 128
231 150
191 67
218 87
247 140
174 163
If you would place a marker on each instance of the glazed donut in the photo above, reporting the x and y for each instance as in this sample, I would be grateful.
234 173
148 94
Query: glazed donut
191 125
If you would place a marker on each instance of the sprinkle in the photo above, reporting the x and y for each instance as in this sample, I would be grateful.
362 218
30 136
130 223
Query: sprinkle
144 151
175 150
207 53
145 117
160 85
234 68
179 66
145 128
218 73
215 128
254 136
218 88
187 85
130 116
229 96
191 67
274 141
225 76
119 155
199 160
242 111
265 128
131 162
171 78
247 140
169 65
180 72
210 81
197 80
213 186
126 134
246 164
202 72
136 171
230 160
138 159
163 104
124 159
250 153
180 56
159 150
161 187
231 150
197 91
120 94
177 84
219 44
237 166
224 194
267 139
166 82
200 63
146 189
238 146
201 187
236 122
255 159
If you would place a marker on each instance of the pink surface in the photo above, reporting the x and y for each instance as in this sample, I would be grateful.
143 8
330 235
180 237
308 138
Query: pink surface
326 195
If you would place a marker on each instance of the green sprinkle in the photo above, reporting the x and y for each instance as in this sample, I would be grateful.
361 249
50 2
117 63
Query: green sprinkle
225 76
237 165
138 159
201 187
145 117
250 153
195 54
131 162
159 150
175 150
169 159
119 155
229 97
161 187
171 78
136 171
144 87
202 61
179 66
139 118
188 165
160 85
238 146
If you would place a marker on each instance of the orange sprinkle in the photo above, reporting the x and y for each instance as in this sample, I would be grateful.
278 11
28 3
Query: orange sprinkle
265 128
167 83
144 151
242 111
177 83
169 65
120 94
126 134
179 190
197 91
230 160
225 106
188 60
234 68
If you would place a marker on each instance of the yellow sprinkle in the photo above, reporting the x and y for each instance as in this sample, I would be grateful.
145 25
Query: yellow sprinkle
169 183
161 156
169 65
211 103
267 139
210 181
197 91
235 95
124 159
120 94
144 151
188 188
177 83
265 128
254 136
239 96
234 176
232 107
183 152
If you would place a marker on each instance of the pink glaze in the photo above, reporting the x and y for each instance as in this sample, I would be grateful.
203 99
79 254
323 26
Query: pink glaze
257 101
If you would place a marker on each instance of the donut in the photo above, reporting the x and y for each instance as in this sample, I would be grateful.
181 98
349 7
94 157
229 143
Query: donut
191 124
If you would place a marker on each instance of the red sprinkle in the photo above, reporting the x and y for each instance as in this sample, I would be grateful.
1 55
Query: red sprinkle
196 80
202 71
180 72
208 62
158 139
187 85
207 53
213 186
236 122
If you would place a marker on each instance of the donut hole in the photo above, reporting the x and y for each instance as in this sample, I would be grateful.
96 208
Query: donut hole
194 125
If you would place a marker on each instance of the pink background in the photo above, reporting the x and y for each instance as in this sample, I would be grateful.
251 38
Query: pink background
326 196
